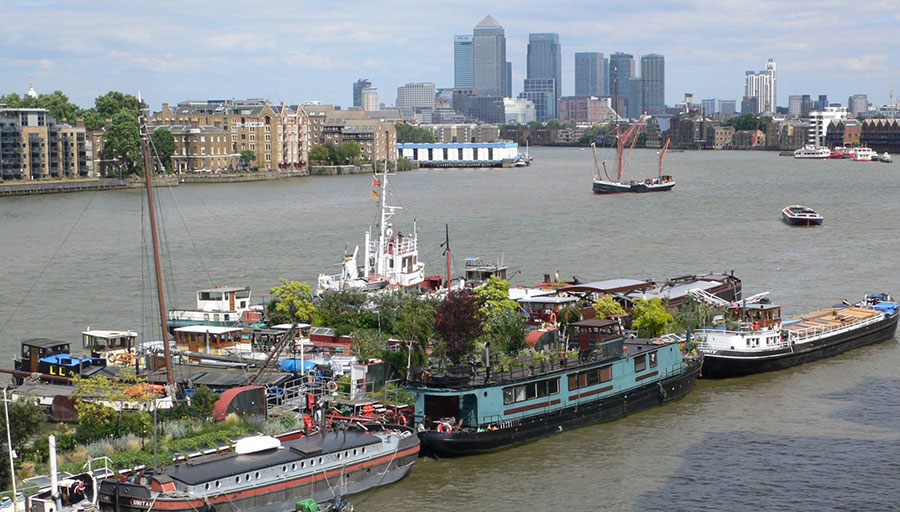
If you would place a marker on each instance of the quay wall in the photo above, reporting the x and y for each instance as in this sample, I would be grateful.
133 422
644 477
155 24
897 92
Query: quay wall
57 187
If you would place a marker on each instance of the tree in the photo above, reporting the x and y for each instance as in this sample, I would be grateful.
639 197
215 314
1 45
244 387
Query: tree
25 420
607 306
493 295
458 324
93 121
122 141
57 104
247 158
506 330
350 152
415 322
295 299
368 344
203 401
650 317
163 142
113 102
692 314
407 133
318 155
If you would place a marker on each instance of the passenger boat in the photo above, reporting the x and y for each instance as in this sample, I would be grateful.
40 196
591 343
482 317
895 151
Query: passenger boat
754 338
799 215
467 413
864 154
811 151
266 473
222 306
390 260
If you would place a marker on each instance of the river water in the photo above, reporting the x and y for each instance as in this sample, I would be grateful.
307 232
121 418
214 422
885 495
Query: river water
824 436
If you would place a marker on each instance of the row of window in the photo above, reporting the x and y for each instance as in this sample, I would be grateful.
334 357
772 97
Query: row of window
284 469
590 377
523 392
640 362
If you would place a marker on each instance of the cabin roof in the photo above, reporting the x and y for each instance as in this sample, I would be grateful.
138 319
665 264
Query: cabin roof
97 333
552 299
225 289
672 292
608 286
212 329
594 322
44 342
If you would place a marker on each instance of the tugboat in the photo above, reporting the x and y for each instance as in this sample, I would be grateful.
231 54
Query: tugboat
466 413
267 472
754 339
799 215
391 260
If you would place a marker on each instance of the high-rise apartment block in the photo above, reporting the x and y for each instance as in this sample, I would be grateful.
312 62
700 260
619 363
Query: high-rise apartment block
370 99
34 146
621 68
653 84
462 61
358 87
590 74
416 95
545 62
489 58
857 104
762 85
709 106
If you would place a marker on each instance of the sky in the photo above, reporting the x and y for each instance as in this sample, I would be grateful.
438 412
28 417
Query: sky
296 51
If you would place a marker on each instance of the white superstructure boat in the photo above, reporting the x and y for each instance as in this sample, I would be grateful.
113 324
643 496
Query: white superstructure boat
813 152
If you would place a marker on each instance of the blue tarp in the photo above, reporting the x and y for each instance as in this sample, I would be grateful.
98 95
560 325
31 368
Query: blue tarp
293 365
887 307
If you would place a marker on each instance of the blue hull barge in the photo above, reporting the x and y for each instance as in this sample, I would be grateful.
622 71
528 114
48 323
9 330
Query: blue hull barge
469 414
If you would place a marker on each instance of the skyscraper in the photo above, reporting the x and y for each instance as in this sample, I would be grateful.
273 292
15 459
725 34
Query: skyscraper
462 61
489 58
762 86
621 68
590 75
358 86
416 95
634 97
542 91
508 93
369 99
858 104
545 61
653 84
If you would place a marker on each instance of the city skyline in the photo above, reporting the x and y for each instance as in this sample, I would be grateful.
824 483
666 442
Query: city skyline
302 54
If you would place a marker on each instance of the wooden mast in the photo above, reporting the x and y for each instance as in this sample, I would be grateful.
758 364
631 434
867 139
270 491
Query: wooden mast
148 178
662 155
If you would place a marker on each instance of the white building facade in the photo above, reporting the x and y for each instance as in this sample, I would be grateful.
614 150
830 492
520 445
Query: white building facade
519 110
762 85
819 121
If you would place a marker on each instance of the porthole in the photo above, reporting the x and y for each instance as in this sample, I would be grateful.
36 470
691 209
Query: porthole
364 449
284 469
257 475
207 486
237 479
338 455
218 484
302 464
247 477
294 467
485 394
354 451
320 460
347 453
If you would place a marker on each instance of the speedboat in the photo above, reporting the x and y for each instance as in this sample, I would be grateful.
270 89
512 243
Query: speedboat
798 215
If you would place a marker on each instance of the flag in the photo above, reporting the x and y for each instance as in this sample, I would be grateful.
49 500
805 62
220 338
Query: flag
375 194
375 182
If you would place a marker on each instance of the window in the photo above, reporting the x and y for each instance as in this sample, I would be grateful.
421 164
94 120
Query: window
590 377
530 391
640 363
652 359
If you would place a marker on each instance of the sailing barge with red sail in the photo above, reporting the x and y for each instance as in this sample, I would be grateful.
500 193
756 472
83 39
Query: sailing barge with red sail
660 183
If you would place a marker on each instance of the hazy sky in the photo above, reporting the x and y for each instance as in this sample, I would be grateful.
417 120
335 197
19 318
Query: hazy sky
298 50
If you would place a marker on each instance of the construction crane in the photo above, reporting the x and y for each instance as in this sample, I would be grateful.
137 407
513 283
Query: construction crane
756 131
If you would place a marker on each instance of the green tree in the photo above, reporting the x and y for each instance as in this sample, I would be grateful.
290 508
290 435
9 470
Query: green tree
25 420
506 330
57 104
295 299
122 141
650 317
407 133
203 401
350 151
607 306
113 102
93 121
247 158
415 322
163 142
493 295
692 314
319 155
368 344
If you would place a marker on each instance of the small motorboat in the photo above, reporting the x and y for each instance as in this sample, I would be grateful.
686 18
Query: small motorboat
798 215
886 158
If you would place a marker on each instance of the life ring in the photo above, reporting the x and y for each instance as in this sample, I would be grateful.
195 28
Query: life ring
424 375
332 386
552 318
111 357
402 421
444 428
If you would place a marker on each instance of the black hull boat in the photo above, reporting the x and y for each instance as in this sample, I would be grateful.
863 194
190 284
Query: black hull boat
610 187
661 184
799 215
456 444
825 333
321 467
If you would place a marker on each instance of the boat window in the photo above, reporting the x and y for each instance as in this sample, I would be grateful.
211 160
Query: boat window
523 392
257 475
590 377
640 363
207 486
218 484
652 359
312 462
284 469
364 449
237 479
294 466
247 477
354 451
242 294
320 460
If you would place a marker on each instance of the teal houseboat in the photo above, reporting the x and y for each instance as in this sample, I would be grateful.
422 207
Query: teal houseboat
472 412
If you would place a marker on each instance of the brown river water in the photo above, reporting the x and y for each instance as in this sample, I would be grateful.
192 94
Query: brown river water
823 436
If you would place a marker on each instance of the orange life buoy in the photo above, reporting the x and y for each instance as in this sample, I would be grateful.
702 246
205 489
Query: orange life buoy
444 428
552 318
402 420
425 376
332 386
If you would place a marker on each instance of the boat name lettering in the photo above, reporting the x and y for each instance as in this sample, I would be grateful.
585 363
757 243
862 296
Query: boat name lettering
141 503
59 370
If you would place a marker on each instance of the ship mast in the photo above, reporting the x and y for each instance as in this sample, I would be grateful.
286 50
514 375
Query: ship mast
662 155
148 177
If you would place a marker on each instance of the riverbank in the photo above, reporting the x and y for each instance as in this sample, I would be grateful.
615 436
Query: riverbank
61 186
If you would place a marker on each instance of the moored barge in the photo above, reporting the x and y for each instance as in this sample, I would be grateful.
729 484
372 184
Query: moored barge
469 414
756 340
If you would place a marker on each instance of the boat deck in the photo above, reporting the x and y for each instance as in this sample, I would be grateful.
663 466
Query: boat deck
830 318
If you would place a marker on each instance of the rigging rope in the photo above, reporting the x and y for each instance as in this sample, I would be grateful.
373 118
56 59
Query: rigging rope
47 265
